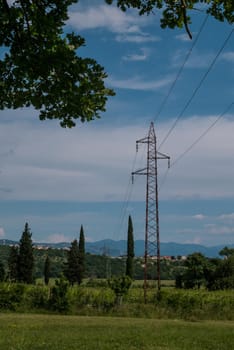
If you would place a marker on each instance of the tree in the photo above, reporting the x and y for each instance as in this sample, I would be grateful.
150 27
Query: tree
26 259
75 265
175 13
59 300
194 276
72 265
223 275
41 67
120 285
81 265
47 270
13 264
130 249
226 252
2 271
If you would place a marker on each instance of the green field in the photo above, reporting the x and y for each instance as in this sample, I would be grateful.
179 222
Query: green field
50 332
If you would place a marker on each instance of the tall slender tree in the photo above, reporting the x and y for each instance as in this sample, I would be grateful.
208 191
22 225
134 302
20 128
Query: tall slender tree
26 259
13 264
71 270
81 265
47 270
2 271
130 250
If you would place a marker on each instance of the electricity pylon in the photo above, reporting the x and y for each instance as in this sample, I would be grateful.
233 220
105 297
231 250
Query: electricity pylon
152 238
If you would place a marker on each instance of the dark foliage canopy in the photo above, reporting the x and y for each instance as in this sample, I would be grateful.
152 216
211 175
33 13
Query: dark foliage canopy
47 270
72 265
13 264
2 271
41 67
177 13
26 258
130 249
81 257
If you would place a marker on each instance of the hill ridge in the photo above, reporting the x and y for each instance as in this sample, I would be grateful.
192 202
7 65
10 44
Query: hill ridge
118 248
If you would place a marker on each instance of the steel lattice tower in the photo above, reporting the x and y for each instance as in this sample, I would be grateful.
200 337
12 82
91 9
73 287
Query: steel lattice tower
152 238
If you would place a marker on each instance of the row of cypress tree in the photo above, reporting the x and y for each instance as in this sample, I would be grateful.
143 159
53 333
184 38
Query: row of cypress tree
21 259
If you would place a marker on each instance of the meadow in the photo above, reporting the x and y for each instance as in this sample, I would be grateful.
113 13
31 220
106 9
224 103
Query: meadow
56 332
87 317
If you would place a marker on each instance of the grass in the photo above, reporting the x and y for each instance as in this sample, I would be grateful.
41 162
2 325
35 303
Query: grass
52 332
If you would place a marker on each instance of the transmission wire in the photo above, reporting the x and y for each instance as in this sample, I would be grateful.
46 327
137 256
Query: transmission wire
181 68
202 135
197 88
205 132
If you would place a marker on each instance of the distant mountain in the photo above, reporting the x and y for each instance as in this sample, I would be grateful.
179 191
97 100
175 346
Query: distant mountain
118 248
7 242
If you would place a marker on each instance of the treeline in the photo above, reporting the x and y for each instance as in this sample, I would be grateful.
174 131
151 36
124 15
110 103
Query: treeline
213 274
26 264
75 264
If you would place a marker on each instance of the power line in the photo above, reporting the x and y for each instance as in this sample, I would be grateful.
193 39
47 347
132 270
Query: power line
127 197
198 87
175 81
205 132
163 179
181 68
129 189
202 135
126 201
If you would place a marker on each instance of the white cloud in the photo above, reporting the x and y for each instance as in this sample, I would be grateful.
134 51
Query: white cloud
183 37
199 217
195 240
137 57
93 163
107 17
2 232
185 231
196 60
58 238
206 170
140 38
226 216
219 230
138 83
228 56
128 25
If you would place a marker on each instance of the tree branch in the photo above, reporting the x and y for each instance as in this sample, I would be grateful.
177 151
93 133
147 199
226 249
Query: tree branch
183 6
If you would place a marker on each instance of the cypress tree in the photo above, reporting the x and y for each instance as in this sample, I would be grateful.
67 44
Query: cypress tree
71 270
47 270
130 249
13 264
81 259
26 259
2 272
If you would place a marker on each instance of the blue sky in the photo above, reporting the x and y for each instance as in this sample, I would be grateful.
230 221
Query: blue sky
57 179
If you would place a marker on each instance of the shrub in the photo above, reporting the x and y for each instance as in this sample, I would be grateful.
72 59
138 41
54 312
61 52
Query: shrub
58 300
11 295
37 297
